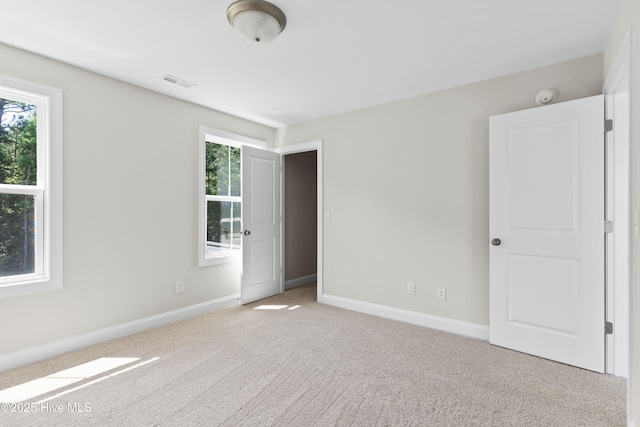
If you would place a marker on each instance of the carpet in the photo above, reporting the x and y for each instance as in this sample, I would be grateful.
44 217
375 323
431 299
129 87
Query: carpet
289 361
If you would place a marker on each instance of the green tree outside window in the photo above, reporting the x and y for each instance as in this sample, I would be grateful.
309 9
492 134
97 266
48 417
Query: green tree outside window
18 163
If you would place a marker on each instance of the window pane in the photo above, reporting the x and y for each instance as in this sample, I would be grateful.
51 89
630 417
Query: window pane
234 171
17 234
237 233
18 154
217 169
224 231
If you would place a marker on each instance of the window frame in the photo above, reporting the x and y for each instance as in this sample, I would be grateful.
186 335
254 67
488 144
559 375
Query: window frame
207 134
48 189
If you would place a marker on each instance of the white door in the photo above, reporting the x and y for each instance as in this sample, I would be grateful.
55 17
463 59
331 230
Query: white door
261 275
547 232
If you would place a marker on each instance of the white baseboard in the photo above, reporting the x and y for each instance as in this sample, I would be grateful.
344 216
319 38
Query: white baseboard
45 351
434 322
305 280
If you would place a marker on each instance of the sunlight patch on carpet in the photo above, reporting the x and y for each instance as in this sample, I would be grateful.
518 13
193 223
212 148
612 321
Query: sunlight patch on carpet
66 377
270 307
276 307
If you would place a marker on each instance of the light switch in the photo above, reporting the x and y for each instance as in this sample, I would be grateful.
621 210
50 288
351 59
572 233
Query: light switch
636 223
327 216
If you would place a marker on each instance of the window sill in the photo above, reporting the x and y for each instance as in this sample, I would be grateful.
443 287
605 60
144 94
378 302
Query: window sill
221 259
28 287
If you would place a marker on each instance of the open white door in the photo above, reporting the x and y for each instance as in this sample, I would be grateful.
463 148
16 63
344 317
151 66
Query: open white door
547 280
261 276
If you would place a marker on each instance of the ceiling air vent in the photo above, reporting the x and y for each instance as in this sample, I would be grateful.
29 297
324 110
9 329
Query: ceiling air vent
177 81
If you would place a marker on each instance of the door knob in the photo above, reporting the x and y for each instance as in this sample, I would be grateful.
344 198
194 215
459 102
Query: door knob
247 232
496 242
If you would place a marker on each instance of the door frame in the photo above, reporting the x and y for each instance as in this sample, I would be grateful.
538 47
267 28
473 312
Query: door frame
303 148
618 177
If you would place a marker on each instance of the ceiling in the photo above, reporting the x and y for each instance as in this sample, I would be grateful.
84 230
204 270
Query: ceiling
333 56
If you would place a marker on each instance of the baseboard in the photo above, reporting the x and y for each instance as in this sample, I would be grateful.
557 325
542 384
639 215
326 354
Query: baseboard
305 280
434 322
46 351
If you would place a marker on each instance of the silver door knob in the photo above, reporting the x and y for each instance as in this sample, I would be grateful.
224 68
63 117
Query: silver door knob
247 232
496 242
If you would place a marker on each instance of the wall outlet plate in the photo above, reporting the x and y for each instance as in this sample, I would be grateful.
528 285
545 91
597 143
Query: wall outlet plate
179 287
411 288
441 293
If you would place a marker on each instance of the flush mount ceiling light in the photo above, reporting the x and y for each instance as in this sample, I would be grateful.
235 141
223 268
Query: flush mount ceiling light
256 21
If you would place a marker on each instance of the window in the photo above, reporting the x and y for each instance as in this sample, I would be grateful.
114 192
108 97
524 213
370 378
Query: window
30 187
222 178
220 231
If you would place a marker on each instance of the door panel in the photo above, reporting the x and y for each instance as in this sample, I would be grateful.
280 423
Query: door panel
532 280
262 190
547 208
262 254
556 188
261 275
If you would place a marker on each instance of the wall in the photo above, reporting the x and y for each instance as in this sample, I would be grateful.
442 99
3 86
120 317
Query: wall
130 207
407 187
300 215
629 16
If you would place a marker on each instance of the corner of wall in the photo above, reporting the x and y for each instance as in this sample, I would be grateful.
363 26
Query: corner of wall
279 135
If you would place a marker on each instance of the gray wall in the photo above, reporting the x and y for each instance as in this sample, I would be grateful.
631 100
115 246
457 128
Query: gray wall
300 215
407 187
629 16
130 207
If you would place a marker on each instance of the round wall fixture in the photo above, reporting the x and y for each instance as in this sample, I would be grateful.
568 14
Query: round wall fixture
546 96
256 20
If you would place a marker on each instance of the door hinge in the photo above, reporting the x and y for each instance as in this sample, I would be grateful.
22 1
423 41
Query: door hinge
608 328
608 125
608 226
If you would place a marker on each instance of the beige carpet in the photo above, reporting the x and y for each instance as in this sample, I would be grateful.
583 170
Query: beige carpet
314 365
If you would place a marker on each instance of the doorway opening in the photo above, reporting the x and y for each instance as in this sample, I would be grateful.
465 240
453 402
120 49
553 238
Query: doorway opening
302 216
301 220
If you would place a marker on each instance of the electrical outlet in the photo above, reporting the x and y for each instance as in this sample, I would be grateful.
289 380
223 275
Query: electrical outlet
179 287
441 293
411 288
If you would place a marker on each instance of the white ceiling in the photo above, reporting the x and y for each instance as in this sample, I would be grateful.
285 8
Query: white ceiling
333 56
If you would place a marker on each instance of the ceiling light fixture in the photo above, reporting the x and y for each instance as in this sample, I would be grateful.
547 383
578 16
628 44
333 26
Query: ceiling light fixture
256 21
